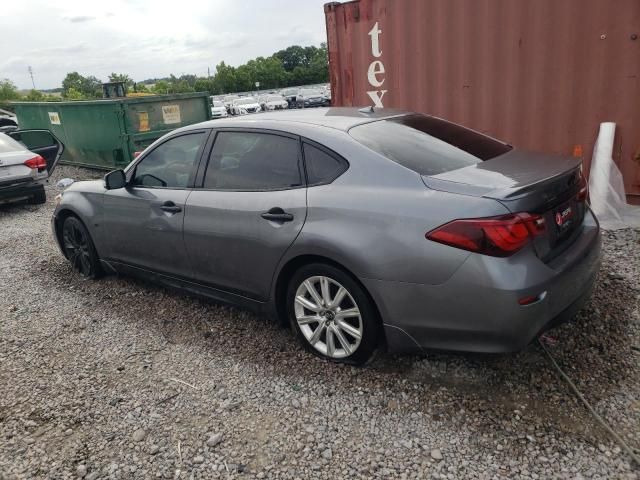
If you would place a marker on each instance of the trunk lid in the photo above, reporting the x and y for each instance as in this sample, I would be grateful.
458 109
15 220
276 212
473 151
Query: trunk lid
527 182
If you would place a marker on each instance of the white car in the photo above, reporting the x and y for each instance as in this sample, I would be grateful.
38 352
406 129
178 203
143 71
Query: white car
244 106
274 102
218 110
228 101
27 159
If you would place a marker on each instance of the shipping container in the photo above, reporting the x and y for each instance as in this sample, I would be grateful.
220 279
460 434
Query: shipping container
106 133
539 74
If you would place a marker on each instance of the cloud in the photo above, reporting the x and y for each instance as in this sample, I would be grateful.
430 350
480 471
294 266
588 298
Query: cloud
145 40
80 19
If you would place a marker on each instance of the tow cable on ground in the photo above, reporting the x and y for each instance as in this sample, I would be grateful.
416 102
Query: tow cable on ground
544 338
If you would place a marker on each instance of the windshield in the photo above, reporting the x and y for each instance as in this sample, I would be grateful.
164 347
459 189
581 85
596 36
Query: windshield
245 101
218 104
289 91
230 98
427 145
275 99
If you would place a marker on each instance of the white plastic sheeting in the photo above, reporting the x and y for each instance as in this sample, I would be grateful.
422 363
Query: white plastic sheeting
606 187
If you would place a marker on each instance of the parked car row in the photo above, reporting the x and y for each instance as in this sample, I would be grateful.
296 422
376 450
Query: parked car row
284 99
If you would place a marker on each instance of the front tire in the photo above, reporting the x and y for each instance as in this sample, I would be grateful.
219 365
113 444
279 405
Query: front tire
331 314
79 249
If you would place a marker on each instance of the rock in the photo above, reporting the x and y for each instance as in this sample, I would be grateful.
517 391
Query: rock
214 439
81 470
154 449
230 405
295 403
92 476
198 459
139 435
68 432
327 454
436 454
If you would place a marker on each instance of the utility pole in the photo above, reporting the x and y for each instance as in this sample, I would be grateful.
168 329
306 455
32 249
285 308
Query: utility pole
31 74
208 73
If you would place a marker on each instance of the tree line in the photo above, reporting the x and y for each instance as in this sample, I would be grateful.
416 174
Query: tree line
292 66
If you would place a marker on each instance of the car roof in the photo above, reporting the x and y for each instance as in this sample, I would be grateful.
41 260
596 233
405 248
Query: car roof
340 118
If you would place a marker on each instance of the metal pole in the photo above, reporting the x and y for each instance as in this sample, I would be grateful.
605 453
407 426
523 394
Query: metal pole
31 75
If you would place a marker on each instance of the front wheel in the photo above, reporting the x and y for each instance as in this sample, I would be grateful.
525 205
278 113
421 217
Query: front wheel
79 248
332 315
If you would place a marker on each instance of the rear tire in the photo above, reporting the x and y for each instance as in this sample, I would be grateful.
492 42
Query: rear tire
332 315
79 249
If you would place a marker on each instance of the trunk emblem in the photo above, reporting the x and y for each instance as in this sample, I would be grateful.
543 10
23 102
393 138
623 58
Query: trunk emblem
563 216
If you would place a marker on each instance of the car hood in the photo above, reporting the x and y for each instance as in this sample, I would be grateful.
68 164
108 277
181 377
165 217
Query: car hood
87 186
248 105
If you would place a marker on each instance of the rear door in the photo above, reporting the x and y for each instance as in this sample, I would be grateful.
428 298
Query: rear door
43 143
250 209
143 222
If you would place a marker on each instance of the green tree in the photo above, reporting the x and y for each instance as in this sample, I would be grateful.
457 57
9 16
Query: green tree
204 85
8 91
161 87
225 78
292 57
72 94
74 84
38 96
122 77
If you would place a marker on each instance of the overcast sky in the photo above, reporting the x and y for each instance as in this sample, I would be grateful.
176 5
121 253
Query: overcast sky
147 38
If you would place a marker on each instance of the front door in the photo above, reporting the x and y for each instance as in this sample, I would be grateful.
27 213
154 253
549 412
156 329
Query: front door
248 213
143 222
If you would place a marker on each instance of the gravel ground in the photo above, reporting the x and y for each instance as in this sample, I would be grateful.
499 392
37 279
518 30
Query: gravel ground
121 379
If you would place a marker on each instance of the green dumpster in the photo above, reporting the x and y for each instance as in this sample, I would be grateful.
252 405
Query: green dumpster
106 133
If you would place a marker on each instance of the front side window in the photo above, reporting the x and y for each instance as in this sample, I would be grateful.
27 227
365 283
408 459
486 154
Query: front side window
171 164
253 161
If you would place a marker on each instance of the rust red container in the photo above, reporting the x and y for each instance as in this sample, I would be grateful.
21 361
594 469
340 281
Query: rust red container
540 74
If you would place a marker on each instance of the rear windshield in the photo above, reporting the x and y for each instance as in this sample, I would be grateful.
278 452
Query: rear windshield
8 144
427 145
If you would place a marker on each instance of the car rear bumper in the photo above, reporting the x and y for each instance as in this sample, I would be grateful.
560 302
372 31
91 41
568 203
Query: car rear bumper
477 309
21 191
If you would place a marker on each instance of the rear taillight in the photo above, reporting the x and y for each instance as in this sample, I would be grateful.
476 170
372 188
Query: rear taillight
583 193
496 236
36 162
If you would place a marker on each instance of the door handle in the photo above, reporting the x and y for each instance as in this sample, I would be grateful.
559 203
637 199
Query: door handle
276 214
170 207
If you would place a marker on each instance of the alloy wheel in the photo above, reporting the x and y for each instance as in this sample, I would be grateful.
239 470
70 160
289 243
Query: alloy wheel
76 245
328 317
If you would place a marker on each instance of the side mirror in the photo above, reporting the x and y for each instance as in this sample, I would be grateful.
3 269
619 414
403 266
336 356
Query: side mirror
114 180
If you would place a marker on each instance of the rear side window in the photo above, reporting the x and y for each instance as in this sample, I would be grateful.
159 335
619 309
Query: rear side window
253 161
322 167
427 145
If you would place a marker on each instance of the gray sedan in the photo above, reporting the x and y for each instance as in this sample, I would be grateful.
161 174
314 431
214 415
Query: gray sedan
360 228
